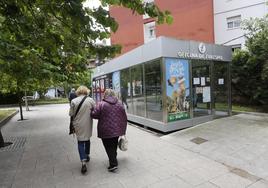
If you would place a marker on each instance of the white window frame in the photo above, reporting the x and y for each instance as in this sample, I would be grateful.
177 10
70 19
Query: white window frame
236 47
233 22
149 31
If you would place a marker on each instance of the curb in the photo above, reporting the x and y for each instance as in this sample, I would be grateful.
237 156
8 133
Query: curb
4 121
251 113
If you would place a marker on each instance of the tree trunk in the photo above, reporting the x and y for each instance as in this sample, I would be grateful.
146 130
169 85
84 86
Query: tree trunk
20 104
2 143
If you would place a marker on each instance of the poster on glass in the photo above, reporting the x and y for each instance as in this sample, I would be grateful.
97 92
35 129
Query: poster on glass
177 90
116 82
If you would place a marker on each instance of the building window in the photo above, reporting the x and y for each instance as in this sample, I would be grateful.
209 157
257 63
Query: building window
149 31
234 22
236 47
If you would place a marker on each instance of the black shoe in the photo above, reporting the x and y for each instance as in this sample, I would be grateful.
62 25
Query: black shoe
88 159
84 169
112 168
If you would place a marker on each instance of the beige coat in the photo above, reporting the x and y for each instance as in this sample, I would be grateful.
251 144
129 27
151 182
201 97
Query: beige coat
83 121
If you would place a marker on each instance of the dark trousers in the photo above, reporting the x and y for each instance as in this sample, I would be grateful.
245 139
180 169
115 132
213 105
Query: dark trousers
110 145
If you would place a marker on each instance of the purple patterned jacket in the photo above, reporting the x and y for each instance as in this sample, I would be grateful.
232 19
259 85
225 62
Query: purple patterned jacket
112 118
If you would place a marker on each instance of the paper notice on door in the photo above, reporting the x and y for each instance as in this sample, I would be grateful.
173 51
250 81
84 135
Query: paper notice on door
220 81
206 94
196 81
203 81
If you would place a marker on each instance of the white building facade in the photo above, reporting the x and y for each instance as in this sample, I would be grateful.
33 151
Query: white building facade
228 15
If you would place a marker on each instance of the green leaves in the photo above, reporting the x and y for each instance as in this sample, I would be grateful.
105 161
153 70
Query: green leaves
250 66
44 42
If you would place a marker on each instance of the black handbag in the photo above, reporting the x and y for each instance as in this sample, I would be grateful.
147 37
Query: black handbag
71 126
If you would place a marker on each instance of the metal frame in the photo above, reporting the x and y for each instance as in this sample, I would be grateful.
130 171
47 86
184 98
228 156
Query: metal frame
191 89
164 88
229 89
205 118
144 89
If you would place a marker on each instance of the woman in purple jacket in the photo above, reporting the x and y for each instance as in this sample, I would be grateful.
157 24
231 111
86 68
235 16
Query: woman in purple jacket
112 124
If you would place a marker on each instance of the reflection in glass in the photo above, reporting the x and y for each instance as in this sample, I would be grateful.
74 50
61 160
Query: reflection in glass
153 90
220 70
126 90
138 91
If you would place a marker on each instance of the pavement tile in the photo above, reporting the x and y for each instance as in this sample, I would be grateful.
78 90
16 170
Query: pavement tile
231 180
167 171
110 184
170 182
207 185
259 184
138 180
50 157
192 177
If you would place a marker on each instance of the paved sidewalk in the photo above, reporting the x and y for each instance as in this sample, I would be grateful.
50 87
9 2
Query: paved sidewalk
44 155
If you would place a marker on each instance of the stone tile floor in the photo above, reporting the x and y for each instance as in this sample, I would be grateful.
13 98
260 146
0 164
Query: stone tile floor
235 155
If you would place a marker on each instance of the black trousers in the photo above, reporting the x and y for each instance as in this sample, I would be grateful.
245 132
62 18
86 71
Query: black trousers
110 145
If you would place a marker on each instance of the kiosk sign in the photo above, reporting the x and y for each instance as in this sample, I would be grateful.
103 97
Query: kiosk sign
201 54
202 48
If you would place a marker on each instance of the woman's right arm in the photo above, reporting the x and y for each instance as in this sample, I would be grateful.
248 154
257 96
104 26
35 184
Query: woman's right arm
95 112
71 110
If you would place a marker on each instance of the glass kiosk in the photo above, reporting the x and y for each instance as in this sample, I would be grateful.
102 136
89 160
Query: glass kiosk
178 84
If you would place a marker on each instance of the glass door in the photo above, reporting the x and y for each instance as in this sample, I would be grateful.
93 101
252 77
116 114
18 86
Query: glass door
221 89
201 75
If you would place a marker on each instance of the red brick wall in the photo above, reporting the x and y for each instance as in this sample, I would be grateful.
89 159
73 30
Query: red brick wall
130 31
193 20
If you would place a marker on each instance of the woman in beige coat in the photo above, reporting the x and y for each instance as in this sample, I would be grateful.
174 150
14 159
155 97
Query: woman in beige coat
82 123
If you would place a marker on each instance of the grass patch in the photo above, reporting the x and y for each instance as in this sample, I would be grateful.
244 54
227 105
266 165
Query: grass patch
243 108
236 107
6 113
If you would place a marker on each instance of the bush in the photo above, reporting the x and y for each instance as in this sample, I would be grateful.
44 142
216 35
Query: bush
9 98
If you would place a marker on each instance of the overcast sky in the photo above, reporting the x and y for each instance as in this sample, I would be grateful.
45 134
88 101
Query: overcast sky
96 4
92 3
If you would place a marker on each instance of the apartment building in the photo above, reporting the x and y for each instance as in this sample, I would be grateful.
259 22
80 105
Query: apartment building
228 18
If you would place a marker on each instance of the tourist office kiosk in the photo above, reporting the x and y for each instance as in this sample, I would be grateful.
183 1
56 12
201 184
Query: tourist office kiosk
169 84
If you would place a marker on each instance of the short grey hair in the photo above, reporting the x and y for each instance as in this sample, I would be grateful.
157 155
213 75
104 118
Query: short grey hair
109 93
82 90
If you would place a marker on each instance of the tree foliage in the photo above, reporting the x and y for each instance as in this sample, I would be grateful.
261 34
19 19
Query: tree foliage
45 42
250 66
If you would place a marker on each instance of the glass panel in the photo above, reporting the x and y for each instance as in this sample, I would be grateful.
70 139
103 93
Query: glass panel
177 89
221 89
153 90
98 92
230 25
116 83
201 88
138 90
237 23
126 89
